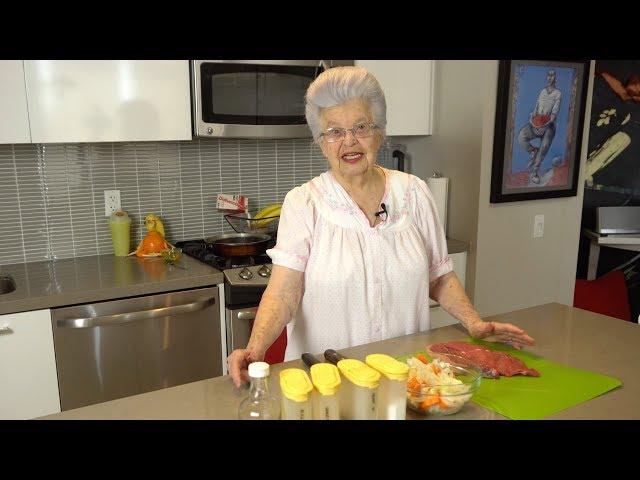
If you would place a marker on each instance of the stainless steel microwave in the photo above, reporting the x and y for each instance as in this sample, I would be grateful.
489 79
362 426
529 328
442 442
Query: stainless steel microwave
252 98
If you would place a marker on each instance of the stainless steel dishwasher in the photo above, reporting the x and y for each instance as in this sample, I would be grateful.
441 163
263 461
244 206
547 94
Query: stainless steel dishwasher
120 348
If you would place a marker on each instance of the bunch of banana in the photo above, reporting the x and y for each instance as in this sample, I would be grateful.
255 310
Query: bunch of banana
268 213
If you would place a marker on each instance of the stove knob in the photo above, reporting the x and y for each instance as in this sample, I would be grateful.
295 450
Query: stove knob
245 274
264 271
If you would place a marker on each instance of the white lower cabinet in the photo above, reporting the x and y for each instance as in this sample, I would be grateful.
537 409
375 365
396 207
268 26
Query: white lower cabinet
440 318
28 378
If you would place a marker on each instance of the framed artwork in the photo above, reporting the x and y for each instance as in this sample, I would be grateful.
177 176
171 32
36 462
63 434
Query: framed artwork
614 135
538 129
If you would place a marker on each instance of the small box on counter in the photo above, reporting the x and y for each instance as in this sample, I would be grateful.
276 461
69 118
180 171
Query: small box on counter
232 203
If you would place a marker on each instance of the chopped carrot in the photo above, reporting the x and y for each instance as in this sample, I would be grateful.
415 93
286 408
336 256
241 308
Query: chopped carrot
435 368
413 384
422 358
429 401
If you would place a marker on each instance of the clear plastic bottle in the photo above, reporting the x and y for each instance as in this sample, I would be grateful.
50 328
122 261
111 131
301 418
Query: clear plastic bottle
296 390
359 394
259 405
326 396
392 404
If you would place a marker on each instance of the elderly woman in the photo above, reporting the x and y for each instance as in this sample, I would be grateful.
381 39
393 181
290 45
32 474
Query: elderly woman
344 273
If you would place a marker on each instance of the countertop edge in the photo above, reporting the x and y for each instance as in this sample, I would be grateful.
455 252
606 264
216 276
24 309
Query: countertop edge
106 294
456 246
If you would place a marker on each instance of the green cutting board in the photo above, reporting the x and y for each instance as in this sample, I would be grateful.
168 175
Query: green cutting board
531 398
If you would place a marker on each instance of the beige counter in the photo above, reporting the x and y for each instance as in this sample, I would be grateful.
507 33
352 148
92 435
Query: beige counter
456 246
55 283
563 334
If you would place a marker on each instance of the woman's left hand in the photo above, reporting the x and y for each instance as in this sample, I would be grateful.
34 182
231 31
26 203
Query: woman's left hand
500 332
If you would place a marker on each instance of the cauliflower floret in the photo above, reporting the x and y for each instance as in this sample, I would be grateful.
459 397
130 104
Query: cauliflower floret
439 390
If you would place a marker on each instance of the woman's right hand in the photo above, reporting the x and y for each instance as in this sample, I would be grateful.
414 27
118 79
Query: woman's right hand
279 303
238 364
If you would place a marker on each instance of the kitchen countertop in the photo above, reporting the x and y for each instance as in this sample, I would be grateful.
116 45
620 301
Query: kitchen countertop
563 334
96 278
71 281
456 246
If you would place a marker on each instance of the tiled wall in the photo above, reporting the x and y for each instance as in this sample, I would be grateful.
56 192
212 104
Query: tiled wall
52 195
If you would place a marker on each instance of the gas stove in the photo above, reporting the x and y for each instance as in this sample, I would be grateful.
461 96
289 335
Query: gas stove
202 251
245 278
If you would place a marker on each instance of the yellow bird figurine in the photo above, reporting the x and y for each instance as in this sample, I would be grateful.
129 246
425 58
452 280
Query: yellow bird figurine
153 222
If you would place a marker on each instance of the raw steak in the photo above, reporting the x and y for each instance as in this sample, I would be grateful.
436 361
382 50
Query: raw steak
493 364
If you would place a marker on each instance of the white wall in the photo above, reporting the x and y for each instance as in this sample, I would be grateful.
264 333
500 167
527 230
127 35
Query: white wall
454 148
507 268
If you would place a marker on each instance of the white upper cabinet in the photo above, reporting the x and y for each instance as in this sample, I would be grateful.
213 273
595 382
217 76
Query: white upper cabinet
14 118
408 89
108 100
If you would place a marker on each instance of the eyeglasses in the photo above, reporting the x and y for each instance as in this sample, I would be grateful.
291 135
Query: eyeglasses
359 130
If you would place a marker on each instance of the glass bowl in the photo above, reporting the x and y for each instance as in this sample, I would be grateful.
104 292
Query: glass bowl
245 223
445 399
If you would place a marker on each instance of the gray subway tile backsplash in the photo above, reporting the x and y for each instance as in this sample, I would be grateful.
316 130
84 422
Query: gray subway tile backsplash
52 195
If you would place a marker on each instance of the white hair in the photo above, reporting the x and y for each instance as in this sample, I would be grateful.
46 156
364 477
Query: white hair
339 85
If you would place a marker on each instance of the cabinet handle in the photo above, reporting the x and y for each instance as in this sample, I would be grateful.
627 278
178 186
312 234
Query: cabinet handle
5 330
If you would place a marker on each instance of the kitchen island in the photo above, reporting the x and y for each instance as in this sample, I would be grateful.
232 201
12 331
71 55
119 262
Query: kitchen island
563 334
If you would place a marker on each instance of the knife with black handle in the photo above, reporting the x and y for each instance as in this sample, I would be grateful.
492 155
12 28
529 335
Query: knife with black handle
333 356
309 359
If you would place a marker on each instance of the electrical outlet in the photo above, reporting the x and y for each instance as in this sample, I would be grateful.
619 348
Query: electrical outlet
111 201
538 226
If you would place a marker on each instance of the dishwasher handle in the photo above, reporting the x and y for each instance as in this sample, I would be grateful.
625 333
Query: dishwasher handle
128 317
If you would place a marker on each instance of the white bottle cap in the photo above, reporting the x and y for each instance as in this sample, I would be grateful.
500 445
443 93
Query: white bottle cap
259 369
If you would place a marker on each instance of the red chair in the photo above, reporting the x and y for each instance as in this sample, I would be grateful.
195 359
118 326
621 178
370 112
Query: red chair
607 295
275 353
